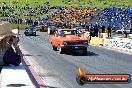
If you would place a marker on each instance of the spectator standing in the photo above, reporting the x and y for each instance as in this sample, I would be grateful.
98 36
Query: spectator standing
109 31
36 22
91 31
42 27
87 27
103 29
18 30
96 29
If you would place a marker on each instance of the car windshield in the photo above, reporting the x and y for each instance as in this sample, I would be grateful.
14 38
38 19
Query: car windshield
68 32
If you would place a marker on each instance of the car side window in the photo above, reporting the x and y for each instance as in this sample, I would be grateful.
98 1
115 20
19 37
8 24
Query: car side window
61 33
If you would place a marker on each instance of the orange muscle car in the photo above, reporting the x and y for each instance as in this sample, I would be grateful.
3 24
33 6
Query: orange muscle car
67 39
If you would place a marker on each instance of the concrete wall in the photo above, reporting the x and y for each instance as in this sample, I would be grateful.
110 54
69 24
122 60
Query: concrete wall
119 43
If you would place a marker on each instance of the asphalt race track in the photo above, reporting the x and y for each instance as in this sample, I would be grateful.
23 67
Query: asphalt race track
60 69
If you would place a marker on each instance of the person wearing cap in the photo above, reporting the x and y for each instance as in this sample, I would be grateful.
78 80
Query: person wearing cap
10 52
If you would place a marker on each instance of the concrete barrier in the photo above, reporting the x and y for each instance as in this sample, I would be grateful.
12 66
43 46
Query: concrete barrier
130 36
123 44
119 43
15 76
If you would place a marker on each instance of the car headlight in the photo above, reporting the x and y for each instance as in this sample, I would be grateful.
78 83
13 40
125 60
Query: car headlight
85 42
65 43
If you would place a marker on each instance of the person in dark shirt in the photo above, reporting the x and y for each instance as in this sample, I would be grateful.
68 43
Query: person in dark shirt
36 23
131 30
42 27
87 27
103 29
96 29
18 30
109 31
91 31
13 54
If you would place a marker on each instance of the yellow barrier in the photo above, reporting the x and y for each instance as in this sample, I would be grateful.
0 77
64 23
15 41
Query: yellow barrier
96 41
86 35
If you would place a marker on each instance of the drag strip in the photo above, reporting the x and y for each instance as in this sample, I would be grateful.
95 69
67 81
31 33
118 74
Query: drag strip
59 70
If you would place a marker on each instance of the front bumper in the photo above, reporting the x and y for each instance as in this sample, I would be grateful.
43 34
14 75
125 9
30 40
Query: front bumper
29 33
74 47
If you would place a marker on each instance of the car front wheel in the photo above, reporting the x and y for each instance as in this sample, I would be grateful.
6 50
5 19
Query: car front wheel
54 48
61 50
26 34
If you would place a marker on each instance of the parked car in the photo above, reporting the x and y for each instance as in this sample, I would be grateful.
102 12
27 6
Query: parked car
68 40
